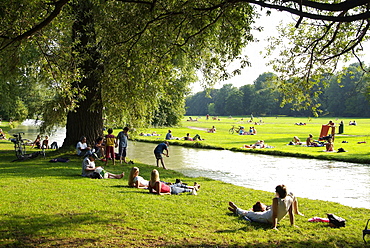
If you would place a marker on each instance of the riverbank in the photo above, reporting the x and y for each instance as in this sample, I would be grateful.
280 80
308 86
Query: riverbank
49 204
276 132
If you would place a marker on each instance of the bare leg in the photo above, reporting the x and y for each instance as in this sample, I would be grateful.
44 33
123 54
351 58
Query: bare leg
114 176
295 207
162 162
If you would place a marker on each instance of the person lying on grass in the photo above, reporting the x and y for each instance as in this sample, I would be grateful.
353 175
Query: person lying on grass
282 204
88 168
160 188
137 181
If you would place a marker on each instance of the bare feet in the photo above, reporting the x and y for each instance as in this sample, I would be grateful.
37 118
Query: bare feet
121 175
196 186
232 210
232 207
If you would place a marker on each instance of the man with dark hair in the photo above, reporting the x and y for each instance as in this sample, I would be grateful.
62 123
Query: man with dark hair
122 140
158 151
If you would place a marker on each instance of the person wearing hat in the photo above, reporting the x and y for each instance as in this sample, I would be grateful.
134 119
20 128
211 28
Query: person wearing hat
88 168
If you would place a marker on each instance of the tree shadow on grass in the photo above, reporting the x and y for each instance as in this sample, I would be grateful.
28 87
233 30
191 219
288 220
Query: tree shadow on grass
42 230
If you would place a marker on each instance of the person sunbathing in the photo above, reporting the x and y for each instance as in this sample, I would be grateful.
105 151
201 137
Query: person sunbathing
158 187
282 204
137 181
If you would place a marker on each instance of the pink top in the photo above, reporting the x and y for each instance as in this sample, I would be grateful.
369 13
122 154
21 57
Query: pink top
165 188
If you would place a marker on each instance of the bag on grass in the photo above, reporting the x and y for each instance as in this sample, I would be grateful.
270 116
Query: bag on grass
336 221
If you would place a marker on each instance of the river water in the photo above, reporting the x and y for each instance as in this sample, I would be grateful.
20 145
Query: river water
345 183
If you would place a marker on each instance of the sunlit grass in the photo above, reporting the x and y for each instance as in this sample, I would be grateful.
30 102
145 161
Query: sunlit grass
49 204
276 132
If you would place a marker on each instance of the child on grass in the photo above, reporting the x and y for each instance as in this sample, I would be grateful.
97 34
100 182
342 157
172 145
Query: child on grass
110 142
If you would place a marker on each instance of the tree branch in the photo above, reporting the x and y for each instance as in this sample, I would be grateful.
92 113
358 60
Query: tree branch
58 7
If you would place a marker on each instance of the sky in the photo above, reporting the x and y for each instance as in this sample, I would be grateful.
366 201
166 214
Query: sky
250 74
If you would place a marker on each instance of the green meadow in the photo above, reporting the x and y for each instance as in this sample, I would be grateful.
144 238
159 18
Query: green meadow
276 132
48 204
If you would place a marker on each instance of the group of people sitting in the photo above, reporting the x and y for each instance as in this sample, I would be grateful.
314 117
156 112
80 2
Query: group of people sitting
41 144
149 134
352 123
104 146
251 131
169 136
258 144
195 138
310 142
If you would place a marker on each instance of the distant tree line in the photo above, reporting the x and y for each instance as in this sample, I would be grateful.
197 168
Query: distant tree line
343 94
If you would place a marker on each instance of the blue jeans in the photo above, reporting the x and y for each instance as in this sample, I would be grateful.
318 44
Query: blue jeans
175 190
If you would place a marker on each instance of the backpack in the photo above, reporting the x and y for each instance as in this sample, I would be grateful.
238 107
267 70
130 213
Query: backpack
336 221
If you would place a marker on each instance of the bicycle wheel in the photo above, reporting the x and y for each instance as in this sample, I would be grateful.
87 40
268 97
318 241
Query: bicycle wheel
231 131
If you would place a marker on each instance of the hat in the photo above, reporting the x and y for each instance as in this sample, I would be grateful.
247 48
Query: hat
341 150
94 155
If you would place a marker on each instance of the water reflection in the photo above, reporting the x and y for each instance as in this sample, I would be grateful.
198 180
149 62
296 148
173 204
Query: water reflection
345 183
31 130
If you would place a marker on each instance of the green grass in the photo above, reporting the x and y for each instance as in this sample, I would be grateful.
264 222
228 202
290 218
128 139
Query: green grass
276 132
47 204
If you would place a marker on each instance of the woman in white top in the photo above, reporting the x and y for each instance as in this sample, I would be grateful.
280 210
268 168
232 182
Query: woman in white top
137 181
282 205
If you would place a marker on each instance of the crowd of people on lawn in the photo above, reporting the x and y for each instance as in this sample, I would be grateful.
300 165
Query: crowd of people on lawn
284 203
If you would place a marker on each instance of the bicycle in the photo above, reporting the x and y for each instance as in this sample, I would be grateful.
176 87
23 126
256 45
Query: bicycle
19 145
233 129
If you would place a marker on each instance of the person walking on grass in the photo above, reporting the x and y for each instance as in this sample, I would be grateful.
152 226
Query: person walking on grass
109 146
158 152
122 140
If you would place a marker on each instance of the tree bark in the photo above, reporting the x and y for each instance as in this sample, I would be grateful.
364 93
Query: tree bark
87 119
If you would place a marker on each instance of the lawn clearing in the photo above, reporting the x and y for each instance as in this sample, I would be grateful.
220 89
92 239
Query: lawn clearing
49 204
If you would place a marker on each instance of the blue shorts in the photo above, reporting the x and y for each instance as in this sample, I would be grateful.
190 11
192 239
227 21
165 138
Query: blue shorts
122 151
158 155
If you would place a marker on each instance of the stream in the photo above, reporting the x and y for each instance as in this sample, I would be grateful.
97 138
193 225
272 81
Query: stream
342 182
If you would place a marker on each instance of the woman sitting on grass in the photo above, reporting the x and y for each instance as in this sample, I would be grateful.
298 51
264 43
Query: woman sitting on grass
137 181
329 145
88 168
282 204
160 188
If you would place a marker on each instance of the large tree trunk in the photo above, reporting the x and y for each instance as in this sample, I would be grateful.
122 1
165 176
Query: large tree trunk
87 119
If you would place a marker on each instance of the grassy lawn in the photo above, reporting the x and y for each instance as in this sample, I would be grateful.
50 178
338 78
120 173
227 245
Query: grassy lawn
49 204
276 132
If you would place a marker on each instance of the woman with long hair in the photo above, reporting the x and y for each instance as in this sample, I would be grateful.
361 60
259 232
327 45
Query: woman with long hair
160 188
137 181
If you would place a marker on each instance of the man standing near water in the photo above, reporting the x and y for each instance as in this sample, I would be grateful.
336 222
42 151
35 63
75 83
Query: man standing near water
158 151
122 137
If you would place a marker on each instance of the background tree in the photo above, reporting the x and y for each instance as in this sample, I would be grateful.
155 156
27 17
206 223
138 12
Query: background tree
113 58
120 60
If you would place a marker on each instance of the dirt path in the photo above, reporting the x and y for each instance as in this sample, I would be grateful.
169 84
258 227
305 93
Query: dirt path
198 128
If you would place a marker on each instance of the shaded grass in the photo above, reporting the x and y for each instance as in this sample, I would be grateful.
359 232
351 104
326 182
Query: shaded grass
49 204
